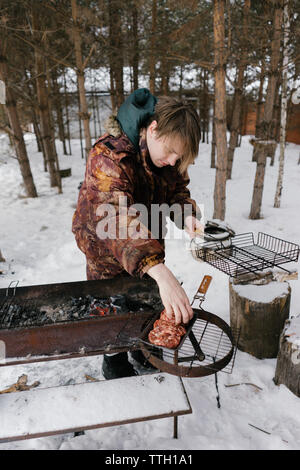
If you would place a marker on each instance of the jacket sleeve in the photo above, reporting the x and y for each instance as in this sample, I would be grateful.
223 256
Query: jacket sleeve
110 193
182 198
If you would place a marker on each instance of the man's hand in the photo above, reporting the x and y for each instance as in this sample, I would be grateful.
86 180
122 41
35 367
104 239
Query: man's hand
193 227
172 294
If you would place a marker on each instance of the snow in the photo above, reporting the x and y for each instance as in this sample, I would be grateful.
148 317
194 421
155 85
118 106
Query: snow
39 247
292 330
94 77
264 293
96 403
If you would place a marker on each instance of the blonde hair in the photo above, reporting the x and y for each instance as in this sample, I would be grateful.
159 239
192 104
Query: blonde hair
178 119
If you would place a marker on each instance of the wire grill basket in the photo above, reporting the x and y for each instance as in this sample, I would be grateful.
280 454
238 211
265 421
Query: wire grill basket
241 254
216 341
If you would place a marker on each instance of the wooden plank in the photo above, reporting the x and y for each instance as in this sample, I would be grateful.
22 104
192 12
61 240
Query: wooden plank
64 409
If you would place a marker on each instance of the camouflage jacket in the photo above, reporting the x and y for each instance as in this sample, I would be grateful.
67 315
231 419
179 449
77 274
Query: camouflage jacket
114 168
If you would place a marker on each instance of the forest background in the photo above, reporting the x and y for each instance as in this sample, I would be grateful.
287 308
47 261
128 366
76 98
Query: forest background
59 59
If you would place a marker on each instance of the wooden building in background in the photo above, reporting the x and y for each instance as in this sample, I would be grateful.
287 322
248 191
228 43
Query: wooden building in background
293 126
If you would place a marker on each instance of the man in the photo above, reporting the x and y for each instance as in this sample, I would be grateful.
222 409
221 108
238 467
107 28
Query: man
142 159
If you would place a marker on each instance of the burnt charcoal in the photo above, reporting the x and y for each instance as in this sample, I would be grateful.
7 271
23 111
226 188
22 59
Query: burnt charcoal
120 303
28 314
135 305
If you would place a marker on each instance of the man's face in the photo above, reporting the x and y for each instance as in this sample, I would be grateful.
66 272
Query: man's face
164 150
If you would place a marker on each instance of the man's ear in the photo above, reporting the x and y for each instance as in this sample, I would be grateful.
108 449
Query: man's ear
153 126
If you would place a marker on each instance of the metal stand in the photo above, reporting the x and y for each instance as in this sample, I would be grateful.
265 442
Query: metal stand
175 429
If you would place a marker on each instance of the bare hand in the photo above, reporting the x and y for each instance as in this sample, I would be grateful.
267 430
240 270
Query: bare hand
172 294
193 226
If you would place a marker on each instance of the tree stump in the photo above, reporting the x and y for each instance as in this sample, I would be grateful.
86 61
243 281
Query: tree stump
2 259
288 361
258 312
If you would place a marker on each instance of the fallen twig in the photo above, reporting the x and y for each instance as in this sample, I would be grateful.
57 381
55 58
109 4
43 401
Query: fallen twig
92 379
266 432
244 383
20 385
262 430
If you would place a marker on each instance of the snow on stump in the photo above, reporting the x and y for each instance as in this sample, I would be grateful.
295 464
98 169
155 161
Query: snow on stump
258 312
288 361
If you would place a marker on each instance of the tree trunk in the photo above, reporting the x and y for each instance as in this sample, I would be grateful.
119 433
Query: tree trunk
80 127
206 105
50 106
45 119
203 106
43 104
164 63
238 93
59 113
180 82
260 103
67 113
152 60
267 115
98 113
258 181
242 120
15 125
135 55
84 114
94 113
164 74
220 110
275 117
37 132
275 126
116 54
277 120
213 141
202 103
114 106
259 108
31 91
286 23
52 126
37 127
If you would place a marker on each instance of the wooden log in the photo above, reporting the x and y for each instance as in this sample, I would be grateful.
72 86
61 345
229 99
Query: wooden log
258 312
264 277
288 361
65 173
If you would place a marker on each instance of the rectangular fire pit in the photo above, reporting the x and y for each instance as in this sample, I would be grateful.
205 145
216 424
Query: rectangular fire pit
43 320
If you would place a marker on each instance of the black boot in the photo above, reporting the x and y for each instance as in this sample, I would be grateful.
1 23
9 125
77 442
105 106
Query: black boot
117 366
139 357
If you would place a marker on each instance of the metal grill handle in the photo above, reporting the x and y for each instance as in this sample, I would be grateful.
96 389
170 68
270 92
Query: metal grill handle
11 287
202 290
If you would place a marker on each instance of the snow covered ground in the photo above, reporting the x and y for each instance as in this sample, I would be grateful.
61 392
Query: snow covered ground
39 247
